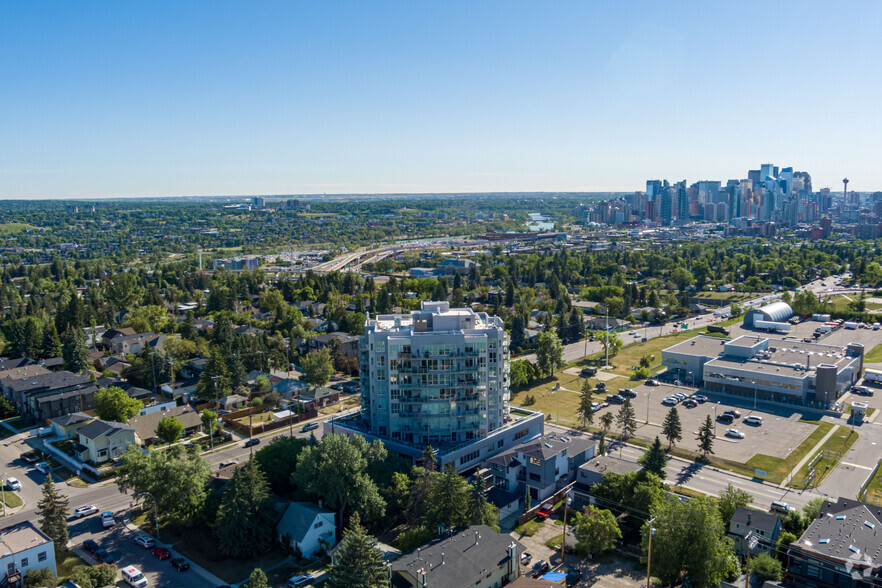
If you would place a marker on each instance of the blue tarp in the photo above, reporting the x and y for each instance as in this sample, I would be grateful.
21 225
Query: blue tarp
554 577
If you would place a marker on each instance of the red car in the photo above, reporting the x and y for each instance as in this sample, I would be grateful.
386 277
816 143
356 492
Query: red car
545 511
161 552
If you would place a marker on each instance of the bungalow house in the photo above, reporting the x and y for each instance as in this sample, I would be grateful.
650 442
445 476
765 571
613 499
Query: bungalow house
66 426
764 526
307 528
349 343
145 425
290 388
102 441
321 397
593 471
233 402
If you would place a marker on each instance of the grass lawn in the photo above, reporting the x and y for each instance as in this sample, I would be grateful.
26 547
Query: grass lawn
777 468
65 565
875 355
13 228
529 528
840 443
563 403
13 500
874 489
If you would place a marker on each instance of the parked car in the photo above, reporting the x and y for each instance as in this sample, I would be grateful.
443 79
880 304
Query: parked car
107 519
615 398
309 427
252 442
180 564
628 393
735 433
84 511
104 556
13 484
690 403
651 382
574 577
30 457
91 546
43 467
540 568
670 401
595 406
301 580
862 390
526 558
145 541
753 420
700 398
726 419
161 553
545 511
735 413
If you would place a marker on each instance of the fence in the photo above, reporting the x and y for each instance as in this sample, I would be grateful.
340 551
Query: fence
862 493
264 427
530 514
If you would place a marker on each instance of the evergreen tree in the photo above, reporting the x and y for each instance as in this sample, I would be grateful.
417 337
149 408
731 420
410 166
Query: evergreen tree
585 411
654 459
449 497
257 579
246 515
705 436
601 445
606 421
479 511
53 516
359 563
671 427
76 357
51 346
626 419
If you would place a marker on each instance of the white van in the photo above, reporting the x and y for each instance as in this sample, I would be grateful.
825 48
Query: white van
133 577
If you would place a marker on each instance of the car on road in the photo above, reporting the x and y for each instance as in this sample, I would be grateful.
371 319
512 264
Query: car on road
540 568
735 413
574 577
145 541
30 457
252 442
84 511
13 484
632 333
628 393
161 552
651 382
780 507
309 427
545 511
91 546
107 519
104 556
726 419
180 564
735 433
690 403
753 420
301 580
699 398
615 398
43 467
228 463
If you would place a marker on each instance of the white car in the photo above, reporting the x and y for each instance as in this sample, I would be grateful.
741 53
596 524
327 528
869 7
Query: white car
670 401
43 467
145 541
13 484
84 511
107 519
753 420
734 433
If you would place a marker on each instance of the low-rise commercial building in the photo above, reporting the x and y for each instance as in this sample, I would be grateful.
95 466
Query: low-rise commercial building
23 547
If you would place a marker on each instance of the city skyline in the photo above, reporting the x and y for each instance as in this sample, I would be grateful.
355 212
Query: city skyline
201 99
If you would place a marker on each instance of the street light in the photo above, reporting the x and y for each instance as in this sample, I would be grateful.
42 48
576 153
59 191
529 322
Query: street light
155 515
692 380
649 553
3 492
647 408
715 419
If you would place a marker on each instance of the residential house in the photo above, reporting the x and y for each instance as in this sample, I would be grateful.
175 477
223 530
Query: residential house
542 465
66 426
764 526
593 471
349 343
108 336
24 547
316 398
24 371
247 330
145 425
102 441
133 391
137 343
252 376
290 388
456 266
840 548
470 556
52 394
233 402
307 528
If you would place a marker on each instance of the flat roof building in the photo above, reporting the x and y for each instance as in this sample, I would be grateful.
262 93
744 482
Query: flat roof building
794 372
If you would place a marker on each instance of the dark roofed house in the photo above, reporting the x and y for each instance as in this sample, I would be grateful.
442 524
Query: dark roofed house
349 343
66 426
765 527
842 547
316 398
145 425
51 394
592 471
109 335
471 556
103 441
308 528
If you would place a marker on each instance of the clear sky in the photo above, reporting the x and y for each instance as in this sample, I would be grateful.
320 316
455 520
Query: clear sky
108 99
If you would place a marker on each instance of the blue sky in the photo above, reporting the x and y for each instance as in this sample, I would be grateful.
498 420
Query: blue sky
109 99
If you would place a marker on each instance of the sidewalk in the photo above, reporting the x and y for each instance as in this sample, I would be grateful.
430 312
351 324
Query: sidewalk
811 453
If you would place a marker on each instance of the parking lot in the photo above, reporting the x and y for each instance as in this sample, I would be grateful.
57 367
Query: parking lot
777 436
119 542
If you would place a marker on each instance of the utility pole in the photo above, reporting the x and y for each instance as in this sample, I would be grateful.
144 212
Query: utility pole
155 515
563 544
649 553
607 336
217 412
752 541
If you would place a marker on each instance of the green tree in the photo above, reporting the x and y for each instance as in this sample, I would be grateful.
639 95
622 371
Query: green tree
765 568
52 510
523 373
730 499
812 509
39 578
447 505
626 419
783 544
606 421
278 460
51 345
479 511
601 444
257 579
671 427
74 352
359 564
691 539
177 479
549 353
654 459
113 404
262 385
705 437
336 470
215 379
246 515
210 423
318 367
596 531
585 410
169 430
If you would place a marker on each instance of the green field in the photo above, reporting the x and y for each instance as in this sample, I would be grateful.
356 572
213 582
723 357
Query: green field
563 403
14 228
874 489
838 444
875 355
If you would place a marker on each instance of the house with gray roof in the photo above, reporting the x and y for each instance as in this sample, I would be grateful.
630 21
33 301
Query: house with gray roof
52 394
763 525
145 424
66 426
593 471
307 528
101 441
469 556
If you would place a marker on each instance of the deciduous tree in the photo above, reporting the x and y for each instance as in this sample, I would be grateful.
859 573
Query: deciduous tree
596 531
730 499
317 367
549 353
113 404
169 430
